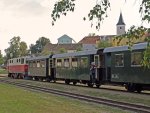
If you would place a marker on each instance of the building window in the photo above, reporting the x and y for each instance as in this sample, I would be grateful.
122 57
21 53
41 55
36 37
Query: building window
136 58
120 27
119 60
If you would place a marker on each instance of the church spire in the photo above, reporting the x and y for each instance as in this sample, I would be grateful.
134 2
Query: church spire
120 26
120 21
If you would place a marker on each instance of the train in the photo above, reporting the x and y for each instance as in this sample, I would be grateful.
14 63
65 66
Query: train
113 65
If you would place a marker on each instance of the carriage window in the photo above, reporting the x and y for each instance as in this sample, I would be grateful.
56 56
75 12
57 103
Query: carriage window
96 60
42 63
84 61
74 62
66 62
136 58
119 60
22 61
38 64
59 62
34 64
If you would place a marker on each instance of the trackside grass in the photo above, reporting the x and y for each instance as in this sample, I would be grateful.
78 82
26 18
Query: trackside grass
16 100
3 71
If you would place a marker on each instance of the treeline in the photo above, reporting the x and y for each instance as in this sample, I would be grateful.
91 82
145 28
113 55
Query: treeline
18 48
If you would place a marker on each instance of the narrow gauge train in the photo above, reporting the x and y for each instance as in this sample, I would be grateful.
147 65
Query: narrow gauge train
115 65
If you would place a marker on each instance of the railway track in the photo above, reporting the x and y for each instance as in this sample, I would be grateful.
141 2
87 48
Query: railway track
122 105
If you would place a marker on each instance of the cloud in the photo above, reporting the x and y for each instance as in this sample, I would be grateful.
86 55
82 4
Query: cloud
23 7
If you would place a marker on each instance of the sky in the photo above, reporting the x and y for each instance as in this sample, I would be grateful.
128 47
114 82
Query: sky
31 19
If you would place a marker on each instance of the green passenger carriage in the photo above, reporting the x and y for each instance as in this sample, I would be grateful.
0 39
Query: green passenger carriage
124 66
75 67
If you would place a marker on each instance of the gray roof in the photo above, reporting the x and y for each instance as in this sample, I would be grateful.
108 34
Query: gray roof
126 48
80 53
120 21
38 58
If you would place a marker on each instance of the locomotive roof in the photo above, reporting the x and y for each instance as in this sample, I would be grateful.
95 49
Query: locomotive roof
39 57
79 53
125 48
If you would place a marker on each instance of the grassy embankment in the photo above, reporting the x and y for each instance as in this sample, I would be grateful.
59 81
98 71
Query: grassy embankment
119 96
16 100
3 71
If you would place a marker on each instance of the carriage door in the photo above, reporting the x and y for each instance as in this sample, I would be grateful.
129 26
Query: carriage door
97 63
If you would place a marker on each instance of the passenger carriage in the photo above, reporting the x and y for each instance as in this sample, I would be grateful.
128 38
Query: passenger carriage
40 68
124 67
75 67
17 67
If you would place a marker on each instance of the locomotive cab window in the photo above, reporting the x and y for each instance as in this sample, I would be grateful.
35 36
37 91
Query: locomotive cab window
136 58
66 62
119 60
22 61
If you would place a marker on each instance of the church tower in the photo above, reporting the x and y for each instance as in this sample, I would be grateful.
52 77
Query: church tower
120 26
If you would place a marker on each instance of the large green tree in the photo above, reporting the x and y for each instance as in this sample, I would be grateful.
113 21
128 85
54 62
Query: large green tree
103 44
16 48
39 45
99 13
23 48
1 58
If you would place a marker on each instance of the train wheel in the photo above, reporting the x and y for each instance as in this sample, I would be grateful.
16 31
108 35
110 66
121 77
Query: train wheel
67 81
74 83
130 87
97 85
90 84
138 88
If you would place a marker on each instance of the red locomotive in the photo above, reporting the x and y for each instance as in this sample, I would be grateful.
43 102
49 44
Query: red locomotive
17 67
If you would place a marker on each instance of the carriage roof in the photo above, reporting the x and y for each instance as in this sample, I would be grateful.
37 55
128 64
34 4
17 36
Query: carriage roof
38 58
125 48
79 53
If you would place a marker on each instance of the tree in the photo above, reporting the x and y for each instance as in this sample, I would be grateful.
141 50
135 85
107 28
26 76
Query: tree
16 48
38 47
79 48
23 49
99 13
62 50
103 44
1 59
46 52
